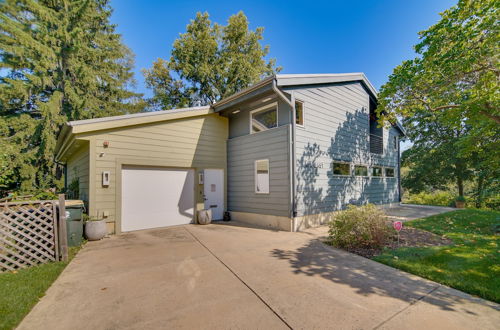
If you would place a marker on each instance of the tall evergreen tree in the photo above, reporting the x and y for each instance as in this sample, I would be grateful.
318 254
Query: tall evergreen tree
61 60
209 62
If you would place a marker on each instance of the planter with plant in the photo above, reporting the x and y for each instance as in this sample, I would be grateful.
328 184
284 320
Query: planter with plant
95 228
460 202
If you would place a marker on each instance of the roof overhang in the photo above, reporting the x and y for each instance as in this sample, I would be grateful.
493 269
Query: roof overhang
73 129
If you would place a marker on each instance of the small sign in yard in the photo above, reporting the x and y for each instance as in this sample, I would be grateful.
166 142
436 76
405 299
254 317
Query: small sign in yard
397 225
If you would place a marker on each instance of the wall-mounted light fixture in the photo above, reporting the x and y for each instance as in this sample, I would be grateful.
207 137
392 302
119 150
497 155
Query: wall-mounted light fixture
105 144
236 111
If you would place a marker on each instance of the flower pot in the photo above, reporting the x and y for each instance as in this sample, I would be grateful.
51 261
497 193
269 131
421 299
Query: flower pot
459 204
205 216
95 230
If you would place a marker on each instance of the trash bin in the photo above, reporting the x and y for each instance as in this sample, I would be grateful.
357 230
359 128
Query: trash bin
74 221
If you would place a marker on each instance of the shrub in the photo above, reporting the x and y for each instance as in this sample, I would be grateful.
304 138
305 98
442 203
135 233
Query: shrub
359 227
437 198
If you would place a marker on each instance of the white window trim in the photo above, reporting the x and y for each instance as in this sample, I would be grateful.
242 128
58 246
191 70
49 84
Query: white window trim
361 176
396 142
389 177
378 177
303 114
342 175
268 176
265 107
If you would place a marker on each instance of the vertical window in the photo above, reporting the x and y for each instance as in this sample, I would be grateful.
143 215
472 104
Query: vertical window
262 176
360 170
376 171
341 168
395 143
263 119
299 113
389 172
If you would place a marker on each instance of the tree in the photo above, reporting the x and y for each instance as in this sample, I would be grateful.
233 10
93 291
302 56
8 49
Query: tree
454 81
61 60
209 62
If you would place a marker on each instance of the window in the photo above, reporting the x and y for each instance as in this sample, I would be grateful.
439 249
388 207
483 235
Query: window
389 172
299 113
341 168
263 119
395 143
376 171
262 176
360 170
376 132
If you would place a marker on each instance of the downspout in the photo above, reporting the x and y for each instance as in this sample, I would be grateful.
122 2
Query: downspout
291 151
399 170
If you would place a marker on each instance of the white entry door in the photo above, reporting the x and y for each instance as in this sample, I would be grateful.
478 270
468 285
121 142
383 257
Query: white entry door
156 197
214 192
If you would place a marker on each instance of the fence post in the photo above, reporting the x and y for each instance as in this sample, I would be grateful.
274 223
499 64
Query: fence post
63 238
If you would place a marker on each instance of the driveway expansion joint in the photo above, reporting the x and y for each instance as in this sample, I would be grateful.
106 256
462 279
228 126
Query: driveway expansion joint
407 307
240 279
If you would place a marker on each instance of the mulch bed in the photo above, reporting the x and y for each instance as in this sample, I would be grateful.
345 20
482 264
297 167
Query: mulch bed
408 237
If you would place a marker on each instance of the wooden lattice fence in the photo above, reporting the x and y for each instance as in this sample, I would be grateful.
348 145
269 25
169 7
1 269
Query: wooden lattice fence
28 234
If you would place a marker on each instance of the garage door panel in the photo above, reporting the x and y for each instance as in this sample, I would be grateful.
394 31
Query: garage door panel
155 197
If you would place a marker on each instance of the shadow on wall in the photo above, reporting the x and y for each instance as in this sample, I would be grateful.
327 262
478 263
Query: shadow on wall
318 189
368 277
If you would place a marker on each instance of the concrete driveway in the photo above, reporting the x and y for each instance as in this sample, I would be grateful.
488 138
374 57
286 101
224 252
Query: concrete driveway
405 212
225 276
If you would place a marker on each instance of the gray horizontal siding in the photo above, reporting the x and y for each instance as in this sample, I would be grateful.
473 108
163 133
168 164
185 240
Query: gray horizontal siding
242 152
337 128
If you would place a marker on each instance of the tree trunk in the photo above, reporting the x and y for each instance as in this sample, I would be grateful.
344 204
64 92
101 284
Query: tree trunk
460 185
479 191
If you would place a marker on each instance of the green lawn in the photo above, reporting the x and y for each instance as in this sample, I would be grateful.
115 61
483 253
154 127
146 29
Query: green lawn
471 264
22 290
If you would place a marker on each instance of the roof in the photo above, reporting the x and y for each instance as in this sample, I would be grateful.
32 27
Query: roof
80 126
324 78
284 80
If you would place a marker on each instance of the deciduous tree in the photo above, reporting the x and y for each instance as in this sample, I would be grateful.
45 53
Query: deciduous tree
209 62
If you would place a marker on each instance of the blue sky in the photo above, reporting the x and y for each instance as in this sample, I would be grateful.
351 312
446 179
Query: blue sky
370 36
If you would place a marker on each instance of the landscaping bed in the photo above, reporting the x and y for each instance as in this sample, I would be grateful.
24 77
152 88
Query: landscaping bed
408 237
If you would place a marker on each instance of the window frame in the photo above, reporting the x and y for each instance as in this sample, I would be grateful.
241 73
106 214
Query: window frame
342 162
381 171
268 176
303 113
395 142
393 172
361 176
270 106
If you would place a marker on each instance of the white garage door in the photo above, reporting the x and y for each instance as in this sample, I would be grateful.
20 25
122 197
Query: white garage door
156 197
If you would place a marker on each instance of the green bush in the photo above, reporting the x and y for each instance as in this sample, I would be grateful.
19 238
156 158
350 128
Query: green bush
359 227
437 198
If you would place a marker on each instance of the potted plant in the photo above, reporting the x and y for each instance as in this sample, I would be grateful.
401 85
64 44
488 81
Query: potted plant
460 202
95 228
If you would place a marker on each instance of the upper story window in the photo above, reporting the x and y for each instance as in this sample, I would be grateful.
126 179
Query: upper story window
376 132
299 113
340 168
395 142
264 118
389 172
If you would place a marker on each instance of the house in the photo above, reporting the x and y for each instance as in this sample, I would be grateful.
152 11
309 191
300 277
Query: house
284 153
